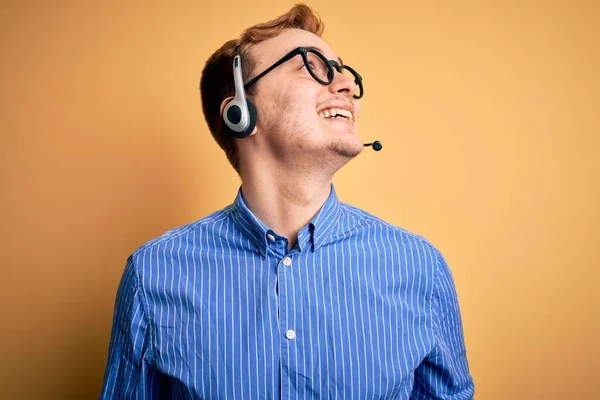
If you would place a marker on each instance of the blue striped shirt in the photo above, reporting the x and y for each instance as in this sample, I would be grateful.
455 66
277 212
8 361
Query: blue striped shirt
220 309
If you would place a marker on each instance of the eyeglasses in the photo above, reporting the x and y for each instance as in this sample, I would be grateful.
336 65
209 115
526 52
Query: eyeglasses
319 67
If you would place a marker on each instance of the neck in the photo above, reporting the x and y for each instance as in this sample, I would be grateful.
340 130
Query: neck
284 203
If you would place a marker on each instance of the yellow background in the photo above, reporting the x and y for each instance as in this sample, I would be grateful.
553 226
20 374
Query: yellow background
488 111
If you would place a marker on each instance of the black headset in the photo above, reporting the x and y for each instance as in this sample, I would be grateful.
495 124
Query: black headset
239 113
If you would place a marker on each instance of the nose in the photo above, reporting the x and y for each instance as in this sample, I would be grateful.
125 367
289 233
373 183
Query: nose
342 84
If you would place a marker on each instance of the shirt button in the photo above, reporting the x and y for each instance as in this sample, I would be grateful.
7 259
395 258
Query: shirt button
287 261
290 334
270 237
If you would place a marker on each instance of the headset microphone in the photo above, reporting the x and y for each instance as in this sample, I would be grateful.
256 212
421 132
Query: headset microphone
239 114
376 145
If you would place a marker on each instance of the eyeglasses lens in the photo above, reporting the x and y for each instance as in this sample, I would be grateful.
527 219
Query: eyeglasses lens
319 67
357 80
323 72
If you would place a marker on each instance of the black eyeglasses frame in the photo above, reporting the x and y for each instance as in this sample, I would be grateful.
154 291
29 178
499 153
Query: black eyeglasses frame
331 65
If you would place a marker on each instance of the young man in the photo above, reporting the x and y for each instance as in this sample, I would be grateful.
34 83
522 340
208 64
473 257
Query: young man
287 293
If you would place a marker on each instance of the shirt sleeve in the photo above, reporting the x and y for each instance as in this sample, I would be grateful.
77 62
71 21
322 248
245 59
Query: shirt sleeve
129 373
444 374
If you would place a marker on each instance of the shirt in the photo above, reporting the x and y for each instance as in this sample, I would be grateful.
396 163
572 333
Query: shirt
220 309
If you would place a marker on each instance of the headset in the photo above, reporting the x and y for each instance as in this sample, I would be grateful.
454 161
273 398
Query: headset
239 113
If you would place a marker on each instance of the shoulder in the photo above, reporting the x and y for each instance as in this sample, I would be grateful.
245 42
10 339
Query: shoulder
183 236
413 253
360 219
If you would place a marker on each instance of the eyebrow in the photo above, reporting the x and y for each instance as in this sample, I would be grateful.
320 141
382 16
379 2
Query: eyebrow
322 52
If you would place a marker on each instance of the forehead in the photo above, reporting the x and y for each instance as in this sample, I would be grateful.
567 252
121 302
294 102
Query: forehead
269 51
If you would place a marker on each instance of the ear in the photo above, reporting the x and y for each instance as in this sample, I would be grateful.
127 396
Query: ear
223 104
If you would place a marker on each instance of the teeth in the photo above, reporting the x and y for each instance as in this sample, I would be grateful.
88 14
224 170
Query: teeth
331 112
345 113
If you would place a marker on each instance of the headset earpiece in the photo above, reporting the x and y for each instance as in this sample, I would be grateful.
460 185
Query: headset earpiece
239 114
239 119
251 118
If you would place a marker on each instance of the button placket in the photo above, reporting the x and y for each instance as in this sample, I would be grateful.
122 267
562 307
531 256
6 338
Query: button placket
288 311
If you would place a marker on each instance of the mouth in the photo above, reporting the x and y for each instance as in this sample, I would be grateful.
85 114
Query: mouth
337 113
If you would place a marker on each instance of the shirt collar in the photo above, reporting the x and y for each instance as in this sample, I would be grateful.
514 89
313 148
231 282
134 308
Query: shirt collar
315 232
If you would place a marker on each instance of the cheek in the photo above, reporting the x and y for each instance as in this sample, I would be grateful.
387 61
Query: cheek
356 110
289 106
298 107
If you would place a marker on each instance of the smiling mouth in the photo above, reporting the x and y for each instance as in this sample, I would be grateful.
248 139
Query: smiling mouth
335 113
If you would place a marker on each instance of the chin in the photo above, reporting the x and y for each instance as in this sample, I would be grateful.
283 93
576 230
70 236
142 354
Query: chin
347 148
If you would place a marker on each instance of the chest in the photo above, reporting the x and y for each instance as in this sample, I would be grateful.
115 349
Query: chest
339 324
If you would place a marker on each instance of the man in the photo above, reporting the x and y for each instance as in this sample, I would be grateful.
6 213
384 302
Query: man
287 293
